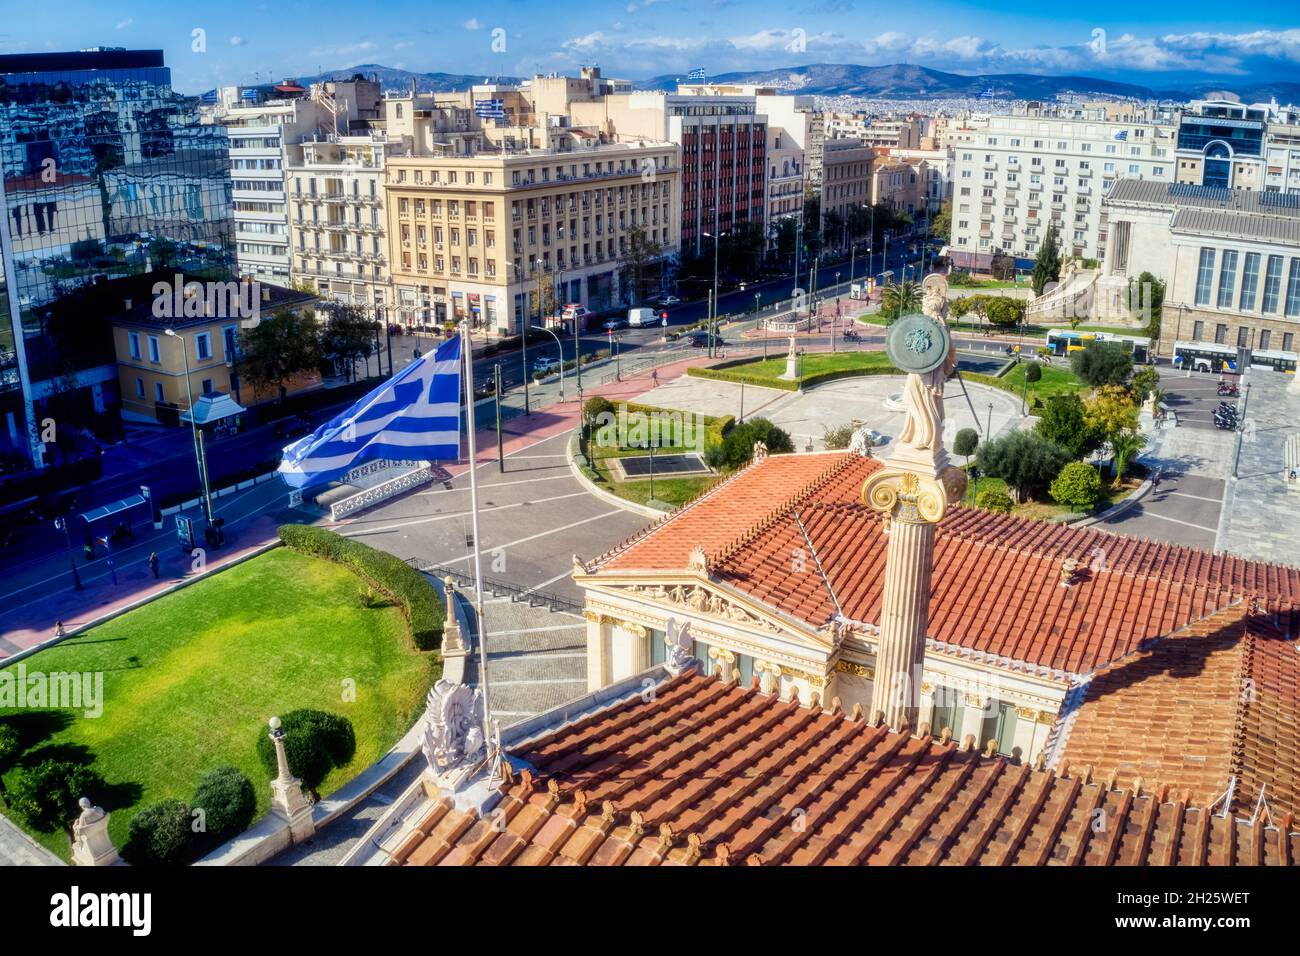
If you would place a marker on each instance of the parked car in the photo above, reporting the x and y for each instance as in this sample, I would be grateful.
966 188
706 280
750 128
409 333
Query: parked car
700 340
575 311
639 317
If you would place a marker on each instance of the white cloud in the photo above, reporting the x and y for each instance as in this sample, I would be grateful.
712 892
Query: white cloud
237 41
123 24
473 23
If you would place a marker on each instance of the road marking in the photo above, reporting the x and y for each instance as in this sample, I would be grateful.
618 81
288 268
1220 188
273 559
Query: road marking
537 630
1183 494
499 484
1201 527
541 534
460 514
548 581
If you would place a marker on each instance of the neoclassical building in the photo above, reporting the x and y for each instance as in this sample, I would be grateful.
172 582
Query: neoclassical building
779 573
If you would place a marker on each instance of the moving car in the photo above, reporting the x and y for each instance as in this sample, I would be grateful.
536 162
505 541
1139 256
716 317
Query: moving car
575 311
613 324
639 317
665 301
546 364
700 340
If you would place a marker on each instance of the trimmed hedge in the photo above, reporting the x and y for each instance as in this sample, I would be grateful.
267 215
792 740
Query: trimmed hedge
161 835
391 576
315 741
724 374
228 803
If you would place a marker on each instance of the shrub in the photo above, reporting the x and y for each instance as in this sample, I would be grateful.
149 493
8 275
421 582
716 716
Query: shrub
315 742
966 442
738 446
1078 486
161 835
1033 372
390 576
1145 381
1063 422
228 803
994 499
10 749
1024 460
46 795
838 437
593 408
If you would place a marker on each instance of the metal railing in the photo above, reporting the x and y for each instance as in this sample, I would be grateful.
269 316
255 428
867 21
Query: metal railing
465 583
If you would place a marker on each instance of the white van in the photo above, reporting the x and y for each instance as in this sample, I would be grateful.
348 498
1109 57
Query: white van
639 317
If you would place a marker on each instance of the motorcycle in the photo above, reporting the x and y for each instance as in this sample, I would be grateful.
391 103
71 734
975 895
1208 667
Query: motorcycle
851 335
1228 388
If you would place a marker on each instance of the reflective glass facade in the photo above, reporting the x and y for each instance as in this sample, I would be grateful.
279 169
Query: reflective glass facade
108 173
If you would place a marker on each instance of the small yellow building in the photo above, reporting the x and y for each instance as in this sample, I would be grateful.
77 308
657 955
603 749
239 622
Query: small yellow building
194 324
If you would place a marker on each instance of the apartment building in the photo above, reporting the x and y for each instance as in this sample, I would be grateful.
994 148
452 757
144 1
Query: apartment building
901 186
934 168
1282 153
260 133
475 235
785 179
1023 173
338 222
1221 143
846 183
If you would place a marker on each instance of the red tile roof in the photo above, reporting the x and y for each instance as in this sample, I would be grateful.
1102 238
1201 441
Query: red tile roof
705 771
1229 685
996 582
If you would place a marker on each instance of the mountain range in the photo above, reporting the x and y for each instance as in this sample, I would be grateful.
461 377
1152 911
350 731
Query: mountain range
895 81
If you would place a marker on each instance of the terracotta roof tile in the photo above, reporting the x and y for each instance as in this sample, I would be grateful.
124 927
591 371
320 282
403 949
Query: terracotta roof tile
996 583
707 772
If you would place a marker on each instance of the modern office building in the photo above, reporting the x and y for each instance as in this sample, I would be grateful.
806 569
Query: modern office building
1221 143
108 173
1024 173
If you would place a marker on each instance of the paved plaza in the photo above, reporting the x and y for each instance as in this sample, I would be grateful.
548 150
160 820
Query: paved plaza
805 415
1261 516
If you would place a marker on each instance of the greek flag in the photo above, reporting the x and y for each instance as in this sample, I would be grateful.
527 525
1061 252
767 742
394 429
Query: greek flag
490 109
414 416
696 75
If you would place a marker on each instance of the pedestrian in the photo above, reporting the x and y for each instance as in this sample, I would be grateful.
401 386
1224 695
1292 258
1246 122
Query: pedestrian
153 563
654 376
58 628
89 551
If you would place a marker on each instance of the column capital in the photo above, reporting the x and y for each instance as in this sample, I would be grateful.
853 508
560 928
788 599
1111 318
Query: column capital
910 497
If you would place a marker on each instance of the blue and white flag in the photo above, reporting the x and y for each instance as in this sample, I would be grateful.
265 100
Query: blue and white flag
696 75
490 109
414 416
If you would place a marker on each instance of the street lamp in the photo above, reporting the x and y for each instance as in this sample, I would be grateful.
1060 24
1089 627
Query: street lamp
714 309
62 525
560 346
194 428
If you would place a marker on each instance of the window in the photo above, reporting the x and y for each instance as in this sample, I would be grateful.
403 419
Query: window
1205 277
207 386
139 388
1272 284
203 345
158 392
134 338
1264 336
154 354
1249 280
1227 278
1220 334
1001 726
1293 289
1198 331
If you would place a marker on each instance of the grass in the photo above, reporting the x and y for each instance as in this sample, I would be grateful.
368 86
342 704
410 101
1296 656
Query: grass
1056 380
670 491
191 679
816 366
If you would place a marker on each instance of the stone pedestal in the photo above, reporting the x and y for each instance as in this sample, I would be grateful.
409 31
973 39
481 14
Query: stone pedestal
91 845
454 650
903 618
288 802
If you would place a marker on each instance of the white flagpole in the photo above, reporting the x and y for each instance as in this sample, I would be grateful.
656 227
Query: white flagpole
467 352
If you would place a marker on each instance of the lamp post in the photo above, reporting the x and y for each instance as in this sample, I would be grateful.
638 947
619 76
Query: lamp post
1241 430
560 346
62 525
713 311
194 428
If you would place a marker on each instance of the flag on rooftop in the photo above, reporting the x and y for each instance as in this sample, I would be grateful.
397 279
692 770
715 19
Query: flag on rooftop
490 109
696 75
414 416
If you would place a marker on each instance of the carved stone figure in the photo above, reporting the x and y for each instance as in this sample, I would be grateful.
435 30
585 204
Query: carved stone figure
453 732
680 645
934 297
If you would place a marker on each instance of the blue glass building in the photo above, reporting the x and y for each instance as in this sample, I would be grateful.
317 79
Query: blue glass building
109 176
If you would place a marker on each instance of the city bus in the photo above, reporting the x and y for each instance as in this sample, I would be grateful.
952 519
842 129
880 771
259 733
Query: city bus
1272 359
1205 356
1067 341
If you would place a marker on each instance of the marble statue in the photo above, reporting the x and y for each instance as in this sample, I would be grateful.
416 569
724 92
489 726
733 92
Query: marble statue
680 645
453 733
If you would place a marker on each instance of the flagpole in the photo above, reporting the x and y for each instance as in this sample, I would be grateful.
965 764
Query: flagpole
467 352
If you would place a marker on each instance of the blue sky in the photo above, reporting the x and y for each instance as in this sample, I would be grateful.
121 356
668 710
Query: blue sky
258 39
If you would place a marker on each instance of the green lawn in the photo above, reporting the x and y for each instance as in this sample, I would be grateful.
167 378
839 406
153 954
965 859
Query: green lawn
190 680
671 491
1057 380
768 371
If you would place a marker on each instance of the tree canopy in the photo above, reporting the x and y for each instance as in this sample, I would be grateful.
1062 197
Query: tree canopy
1025 460
1047 264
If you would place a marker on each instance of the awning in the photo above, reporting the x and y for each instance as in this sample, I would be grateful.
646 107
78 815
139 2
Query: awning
117 507
213 408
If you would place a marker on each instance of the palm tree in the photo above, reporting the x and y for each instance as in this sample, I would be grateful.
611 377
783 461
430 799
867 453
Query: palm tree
1123 447
897 300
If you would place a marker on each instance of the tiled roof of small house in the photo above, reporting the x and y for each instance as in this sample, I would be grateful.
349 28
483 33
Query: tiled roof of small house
996 586
1217 702
704 771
